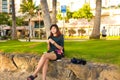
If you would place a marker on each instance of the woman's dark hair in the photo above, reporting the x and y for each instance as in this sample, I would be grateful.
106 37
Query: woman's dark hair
58 31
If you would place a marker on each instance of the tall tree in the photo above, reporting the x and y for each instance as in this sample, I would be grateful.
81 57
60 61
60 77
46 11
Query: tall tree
84 12
28 7
4 18
46 16
96 29
14 35
54 6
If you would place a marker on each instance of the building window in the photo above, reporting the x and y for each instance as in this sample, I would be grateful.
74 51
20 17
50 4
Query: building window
4 3
36 24
4 10
39 25
4 6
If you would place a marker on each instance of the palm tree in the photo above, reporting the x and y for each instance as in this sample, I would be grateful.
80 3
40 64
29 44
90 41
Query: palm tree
46 16
28 8
96 29
54 6
14 35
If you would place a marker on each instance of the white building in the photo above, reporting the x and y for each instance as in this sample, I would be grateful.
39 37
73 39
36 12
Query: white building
6 6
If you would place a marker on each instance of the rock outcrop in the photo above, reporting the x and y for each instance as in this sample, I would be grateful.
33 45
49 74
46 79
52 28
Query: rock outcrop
19 66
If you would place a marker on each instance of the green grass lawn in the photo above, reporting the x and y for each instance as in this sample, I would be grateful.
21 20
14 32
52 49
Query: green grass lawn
103 51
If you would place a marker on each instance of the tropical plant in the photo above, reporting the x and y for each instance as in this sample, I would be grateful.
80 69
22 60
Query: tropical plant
84 12
118 5
71 32
29 9
68 15
4 18
81 31
19 21
59 16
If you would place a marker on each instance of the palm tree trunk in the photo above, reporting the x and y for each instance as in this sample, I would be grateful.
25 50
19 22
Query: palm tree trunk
46 16
54 5
14 35
30 30
96 29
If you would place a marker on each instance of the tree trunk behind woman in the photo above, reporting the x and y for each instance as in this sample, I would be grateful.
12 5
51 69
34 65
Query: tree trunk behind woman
14 33
96 29
54 6
46 16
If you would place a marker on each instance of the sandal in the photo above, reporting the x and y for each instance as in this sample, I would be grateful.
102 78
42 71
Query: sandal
31 77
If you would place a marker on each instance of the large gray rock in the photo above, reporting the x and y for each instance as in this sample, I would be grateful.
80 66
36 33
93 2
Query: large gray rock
18 67
6 63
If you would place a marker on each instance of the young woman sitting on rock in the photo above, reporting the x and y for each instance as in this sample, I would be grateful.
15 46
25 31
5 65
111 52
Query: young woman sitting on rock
55 51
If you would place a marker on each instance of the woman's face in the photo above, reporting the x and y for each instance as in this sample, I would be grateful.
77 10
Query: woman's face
53 30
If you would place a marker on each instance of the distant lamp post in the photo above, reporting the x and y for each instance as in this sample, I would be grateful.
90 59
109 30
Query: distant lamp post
1 30
29 33
39 19
63 10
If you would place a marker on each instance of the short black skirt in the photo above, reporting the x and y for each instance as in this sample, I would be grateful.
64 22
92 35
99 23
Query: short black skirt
59 56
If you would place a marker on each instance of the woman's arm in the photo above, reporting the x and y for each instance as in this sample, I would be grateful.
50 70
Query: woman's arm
48 45
55 44
58 46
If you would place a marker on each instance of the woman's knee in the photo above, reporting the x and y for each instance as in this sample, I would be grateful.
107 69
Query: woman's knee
49 56
45 56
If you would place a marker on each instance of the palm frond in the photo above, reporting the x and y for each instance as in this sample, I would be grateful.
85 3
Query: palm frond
28 7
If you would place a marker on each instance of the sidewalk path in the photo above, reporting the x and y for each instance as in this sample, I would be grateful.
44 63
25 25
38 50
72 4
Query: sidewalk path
32 40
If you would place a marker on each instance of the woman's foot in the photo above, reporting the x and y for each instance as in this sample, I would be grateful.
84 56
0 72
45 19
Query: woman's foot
31 77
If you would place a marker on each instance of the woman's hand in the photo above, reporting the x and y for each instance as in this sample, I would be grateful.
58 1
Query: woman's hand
51 41
48 41
55 44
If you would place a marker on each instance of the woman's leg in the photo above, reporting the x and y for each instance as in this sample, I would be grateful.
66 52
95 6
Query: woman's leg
44 70
44 58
